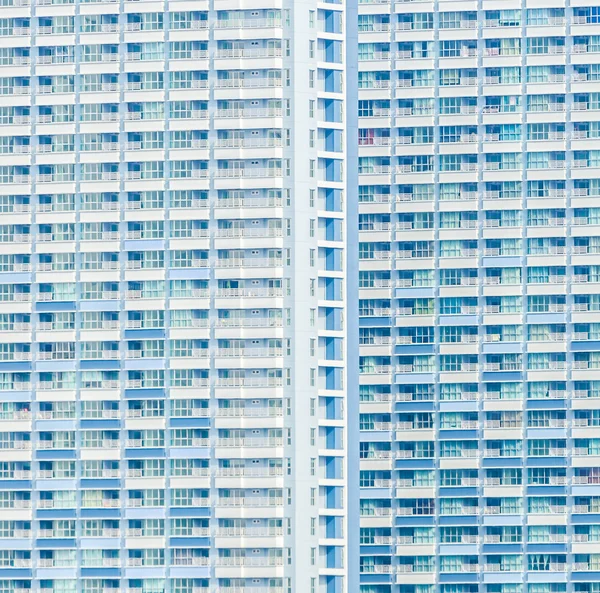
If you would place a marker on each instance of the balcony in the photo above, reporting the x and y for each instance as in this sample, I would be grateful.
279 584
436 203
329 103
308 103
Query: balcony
251 173
428 254
582 422
189 24
240 382
503 424
54 59
249 472
504 367
249 113
586 508
377 569
18 297
250 412
380 283
254 502
376 255
192 353
376 341
380 369
143 443
247 83
55 445
249 352
260 52
143 413
550 452
250 233
408 311
378 198
52 504
248 143
410 568
378 483
249 442
246 23
464 454
375 454
142 590
376 512
584 365
250 262
589 479
248 532
384 426
101 444
562 567
249 292
17 414
421 111
416 168
249 561
582 451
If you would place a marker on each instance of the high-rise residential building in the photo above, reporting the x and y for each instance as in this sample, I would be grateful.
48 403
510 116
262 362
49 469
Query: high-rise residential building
173 319
479 201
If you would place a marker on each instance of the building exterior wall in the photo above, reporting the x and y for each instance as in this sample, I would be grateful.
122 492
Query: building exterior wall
173 299
478 199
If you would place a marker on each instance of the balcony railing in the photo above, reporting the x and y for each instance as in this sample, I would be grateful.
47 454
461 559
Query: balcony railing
261 52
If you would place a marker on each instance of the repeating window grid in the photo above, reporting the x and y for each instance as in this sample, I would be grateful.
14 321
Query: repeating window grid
490 361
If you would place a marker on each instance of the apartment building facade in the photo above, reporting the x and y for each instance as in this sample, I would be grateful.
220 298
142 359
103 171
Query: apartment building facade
479 387
173 315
